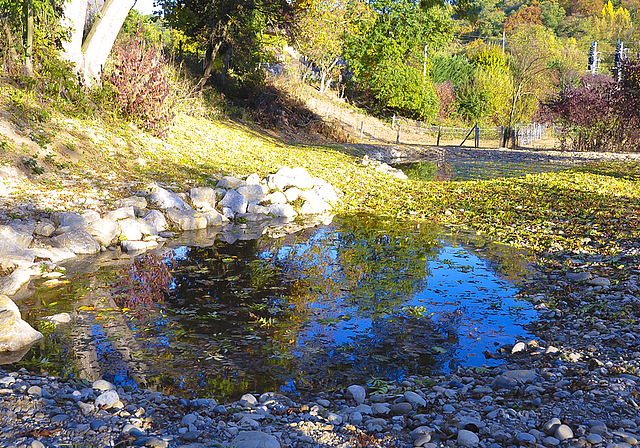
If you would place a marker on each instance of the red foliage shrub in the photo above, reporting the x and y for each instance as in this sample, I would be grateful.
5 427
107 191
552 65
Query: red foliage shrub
601 114
447 99
139 73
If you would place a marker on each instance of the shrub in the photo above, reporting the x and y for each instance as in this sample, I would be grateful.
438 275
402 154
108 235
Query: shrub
140 76
447 99
600 114
456 69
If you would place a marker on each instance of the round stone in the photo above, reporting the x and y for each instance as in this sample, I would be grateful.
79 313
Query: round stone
357 393
59 418
191 435
401 408
98 425
107 399
423 439
467 438
551 426
563 433
255 439
189 419
37 444
155 442
415 399
594 439
248 400
103 385
525 437
133 430
35 391
550 441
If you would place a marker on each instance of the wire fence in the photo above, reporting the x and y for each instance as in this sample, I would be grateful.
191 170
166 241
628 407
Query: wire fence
401 130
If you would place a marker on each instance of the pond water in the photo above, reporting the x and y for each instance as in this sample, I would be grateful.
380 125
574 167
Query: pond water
463 170
357 299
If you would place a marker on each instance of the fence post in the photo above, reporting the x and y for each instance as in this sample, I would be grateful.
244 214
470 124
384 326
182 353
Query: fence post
361 129
477 136
439 130
398 135
393 122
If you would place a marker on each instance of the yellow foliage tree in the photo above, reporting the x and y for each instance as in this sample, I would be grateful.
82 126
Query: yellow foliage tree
614 23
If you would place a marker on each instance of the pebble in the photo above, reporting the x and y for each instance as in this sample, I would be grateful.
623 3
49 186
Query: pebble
467 438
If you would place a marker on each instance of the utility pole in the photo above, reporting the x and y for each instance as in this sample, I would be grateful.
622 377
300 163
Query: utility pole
424 70
619 60
594 58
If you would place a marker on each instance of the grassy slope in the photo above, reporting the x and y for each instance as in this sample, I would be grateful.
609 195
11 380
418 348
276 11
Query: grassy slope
590 210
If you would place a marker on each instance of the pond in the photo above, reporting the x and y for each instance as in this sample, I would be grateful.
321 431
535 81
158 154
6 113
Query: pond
357 299
464 170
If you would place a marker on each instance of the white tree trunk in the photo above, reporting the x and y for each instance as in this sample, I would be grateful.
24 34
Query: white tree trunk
91 55
105 29
75 12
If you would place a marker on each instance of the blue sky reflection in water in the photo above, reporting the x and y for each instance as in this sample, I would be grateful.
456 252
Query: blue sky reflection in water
466 306
363 297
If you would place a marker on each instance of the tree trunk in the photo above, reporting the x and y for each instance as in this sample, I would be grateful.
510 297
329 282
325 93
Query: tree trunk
29 40
75 12
97 45
13 53
215 42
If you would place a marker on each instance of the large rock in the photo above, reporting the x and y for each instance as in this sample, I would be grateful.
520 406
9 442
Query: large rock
55 254
67 222
104 231
203 198
16 336
18 238
137 246
24 231
187 219
326 192
11 283
255 439
166 199
77 241
290 177
121 213
276 197
234 201
136 229
253 193
156 220
214 218
230 182
314 206
138 203
282 211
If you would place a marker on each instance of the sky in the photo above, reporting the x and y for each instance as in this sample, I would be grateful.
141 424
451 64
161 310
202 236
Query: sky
144 6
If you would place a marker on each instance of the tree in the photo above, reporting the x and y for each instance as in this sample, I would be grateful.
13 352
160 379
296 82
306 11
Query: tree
531 15
532 51
319 33
28 26
90 54
230 30
387 55
552 14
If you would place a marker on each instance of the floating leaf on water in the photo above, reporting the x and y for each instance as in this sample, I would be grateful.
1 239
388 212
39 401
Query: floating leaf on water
439 350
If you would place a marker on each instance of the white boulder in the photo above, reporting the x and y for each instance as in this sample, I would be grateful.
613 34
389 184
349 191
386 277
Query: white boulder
16 336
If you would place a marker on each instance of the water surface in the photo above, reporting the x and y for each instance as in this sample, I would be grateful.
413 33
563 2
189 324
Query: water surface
357 299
